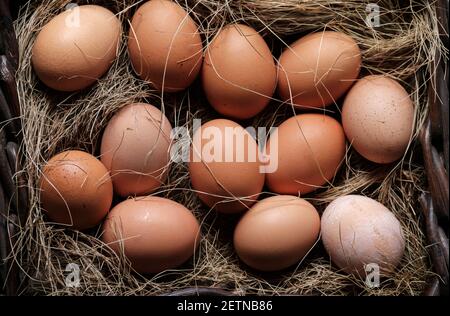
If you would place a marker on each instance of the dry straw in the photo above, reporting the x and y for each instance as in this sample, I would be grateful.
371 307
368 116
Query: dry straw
403 47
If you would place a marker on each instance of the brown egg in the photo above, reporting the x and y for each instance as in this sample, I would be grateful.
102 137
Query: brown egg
239 74
276 232
76 47
357 231
318 69
136 149
378 118
154 233
225 166
76 189
309 149
165 46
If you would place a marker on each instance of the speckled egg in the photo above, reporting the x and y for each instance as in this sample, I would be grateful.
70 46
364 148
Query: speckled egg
378 118
76 189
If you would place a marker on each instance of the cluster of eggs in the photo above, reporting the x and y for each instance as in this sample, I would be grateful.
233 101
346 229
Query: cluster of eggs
239 78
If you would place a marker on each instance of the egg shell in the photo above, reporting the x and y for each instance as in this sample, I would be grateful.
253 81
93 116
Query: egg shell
136 149
276 232
165 45
154 233
357 230
318 69
75 189
378 118
239 75
310 149
232 183
76 47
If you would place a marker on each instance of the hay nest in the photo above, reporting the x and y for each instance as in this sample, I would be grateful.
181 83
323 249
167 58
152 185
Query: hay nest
403 47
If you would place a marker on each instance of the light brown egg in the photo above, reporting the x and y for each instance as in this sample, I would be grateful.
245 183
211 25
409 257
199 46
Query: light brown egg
165 45
276 232
76 189
378 118
76 47
136 149
309 150
239 74
225 166
154 233
318 69
357 231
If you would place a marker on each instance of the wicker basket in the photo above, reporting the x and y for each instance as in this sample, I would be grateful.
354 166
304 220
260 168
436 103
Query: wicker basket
13 196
